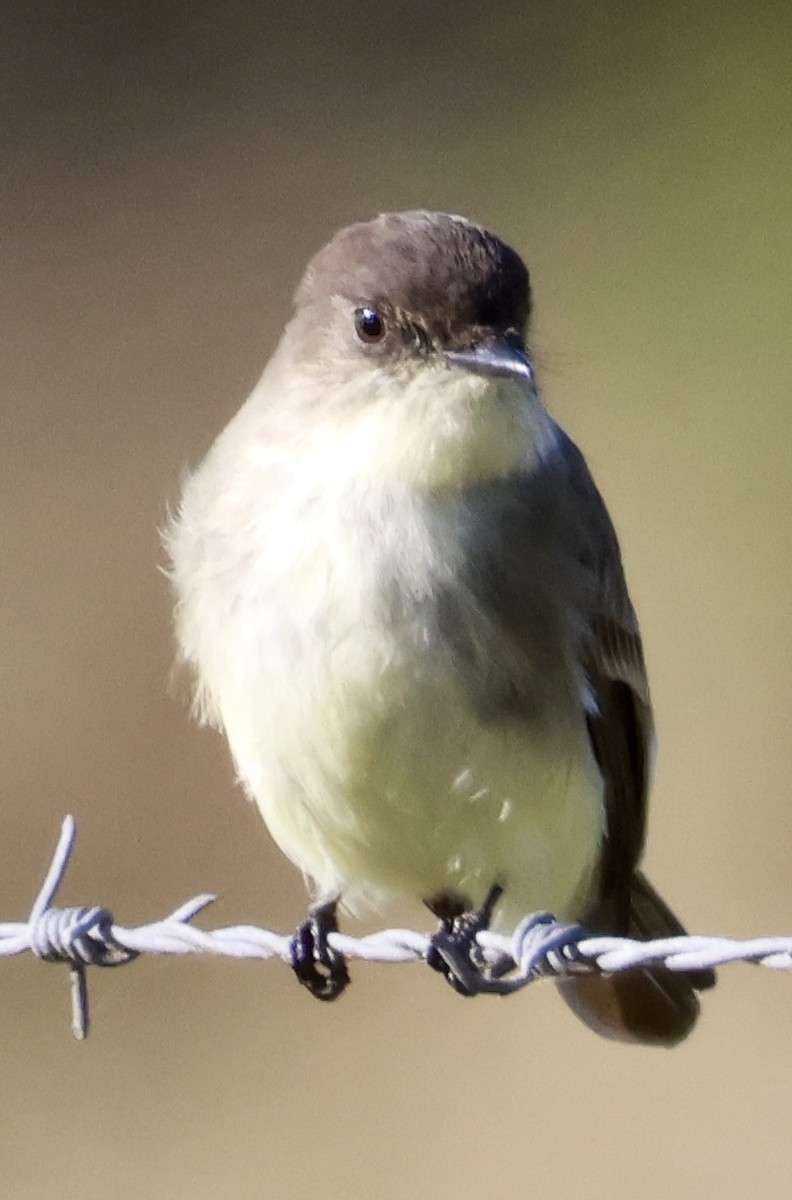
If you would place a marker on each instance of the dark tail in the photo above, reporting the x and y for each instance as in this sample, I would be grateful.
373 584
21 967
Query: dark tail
653 1007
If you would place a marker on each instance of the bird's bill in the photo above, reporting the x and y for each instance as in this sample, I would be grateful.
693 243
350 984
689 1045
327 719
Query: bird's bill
493 357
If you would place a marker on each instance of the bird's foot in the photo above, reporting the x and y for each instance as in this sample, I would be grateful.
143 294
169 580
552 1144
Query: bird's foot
454 950
316 964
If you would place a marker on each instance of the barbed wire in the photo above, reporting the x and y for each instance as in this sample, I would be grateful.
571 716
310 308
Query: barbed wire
540 947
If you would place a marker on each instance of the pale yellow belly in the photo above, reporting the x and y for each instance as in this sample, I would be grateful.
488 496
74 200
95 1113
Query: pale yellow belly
401 789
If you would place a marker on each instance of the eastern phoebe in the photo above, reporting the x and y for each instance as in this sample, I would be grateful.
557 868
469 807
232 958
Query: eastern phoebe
403 601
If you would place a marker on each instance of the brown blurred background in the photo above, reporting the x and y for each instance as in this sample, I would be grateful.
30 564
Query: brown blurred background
167 170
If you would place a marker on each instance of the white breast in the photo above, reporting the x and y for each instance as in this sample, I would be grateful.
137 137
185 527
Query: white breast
352 724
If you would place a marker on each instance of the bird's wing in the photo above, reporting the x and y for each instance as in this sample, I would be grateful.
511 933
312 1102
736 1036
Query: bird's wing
653 1005
620 712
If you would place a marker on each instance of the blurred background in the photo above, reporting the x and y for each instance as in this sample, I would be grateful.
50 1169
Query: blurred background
166 172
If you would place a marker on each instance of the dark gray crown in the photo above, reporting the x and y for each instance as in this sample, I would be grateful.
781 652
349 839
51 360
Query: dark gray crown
441 269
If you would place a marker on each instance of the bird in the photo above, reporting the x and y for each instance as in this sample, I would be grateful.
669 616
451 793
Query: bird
401 597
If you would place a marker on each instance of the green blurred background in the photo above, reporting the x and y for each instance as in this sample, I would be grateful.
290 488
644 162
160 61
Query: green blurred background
167 170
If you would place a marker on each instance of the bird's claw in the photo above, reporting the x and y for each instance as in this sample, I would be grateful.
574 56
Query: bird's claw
454 950
318 967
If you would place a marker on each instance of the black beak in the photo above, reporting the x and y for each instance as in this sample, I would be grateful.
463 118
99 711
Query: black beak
494 357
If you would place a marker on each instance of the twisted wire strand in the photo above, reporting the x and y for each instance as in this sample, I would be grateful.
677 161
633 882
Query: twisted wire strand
540 947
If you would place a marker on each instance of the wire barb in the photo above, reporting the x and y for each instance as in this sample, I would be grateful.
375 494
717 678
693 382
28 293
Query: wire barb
540 947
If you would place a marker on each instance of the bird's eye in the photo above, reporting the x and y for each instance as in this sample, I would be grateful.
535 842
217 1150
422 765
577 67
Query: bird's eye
369 325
